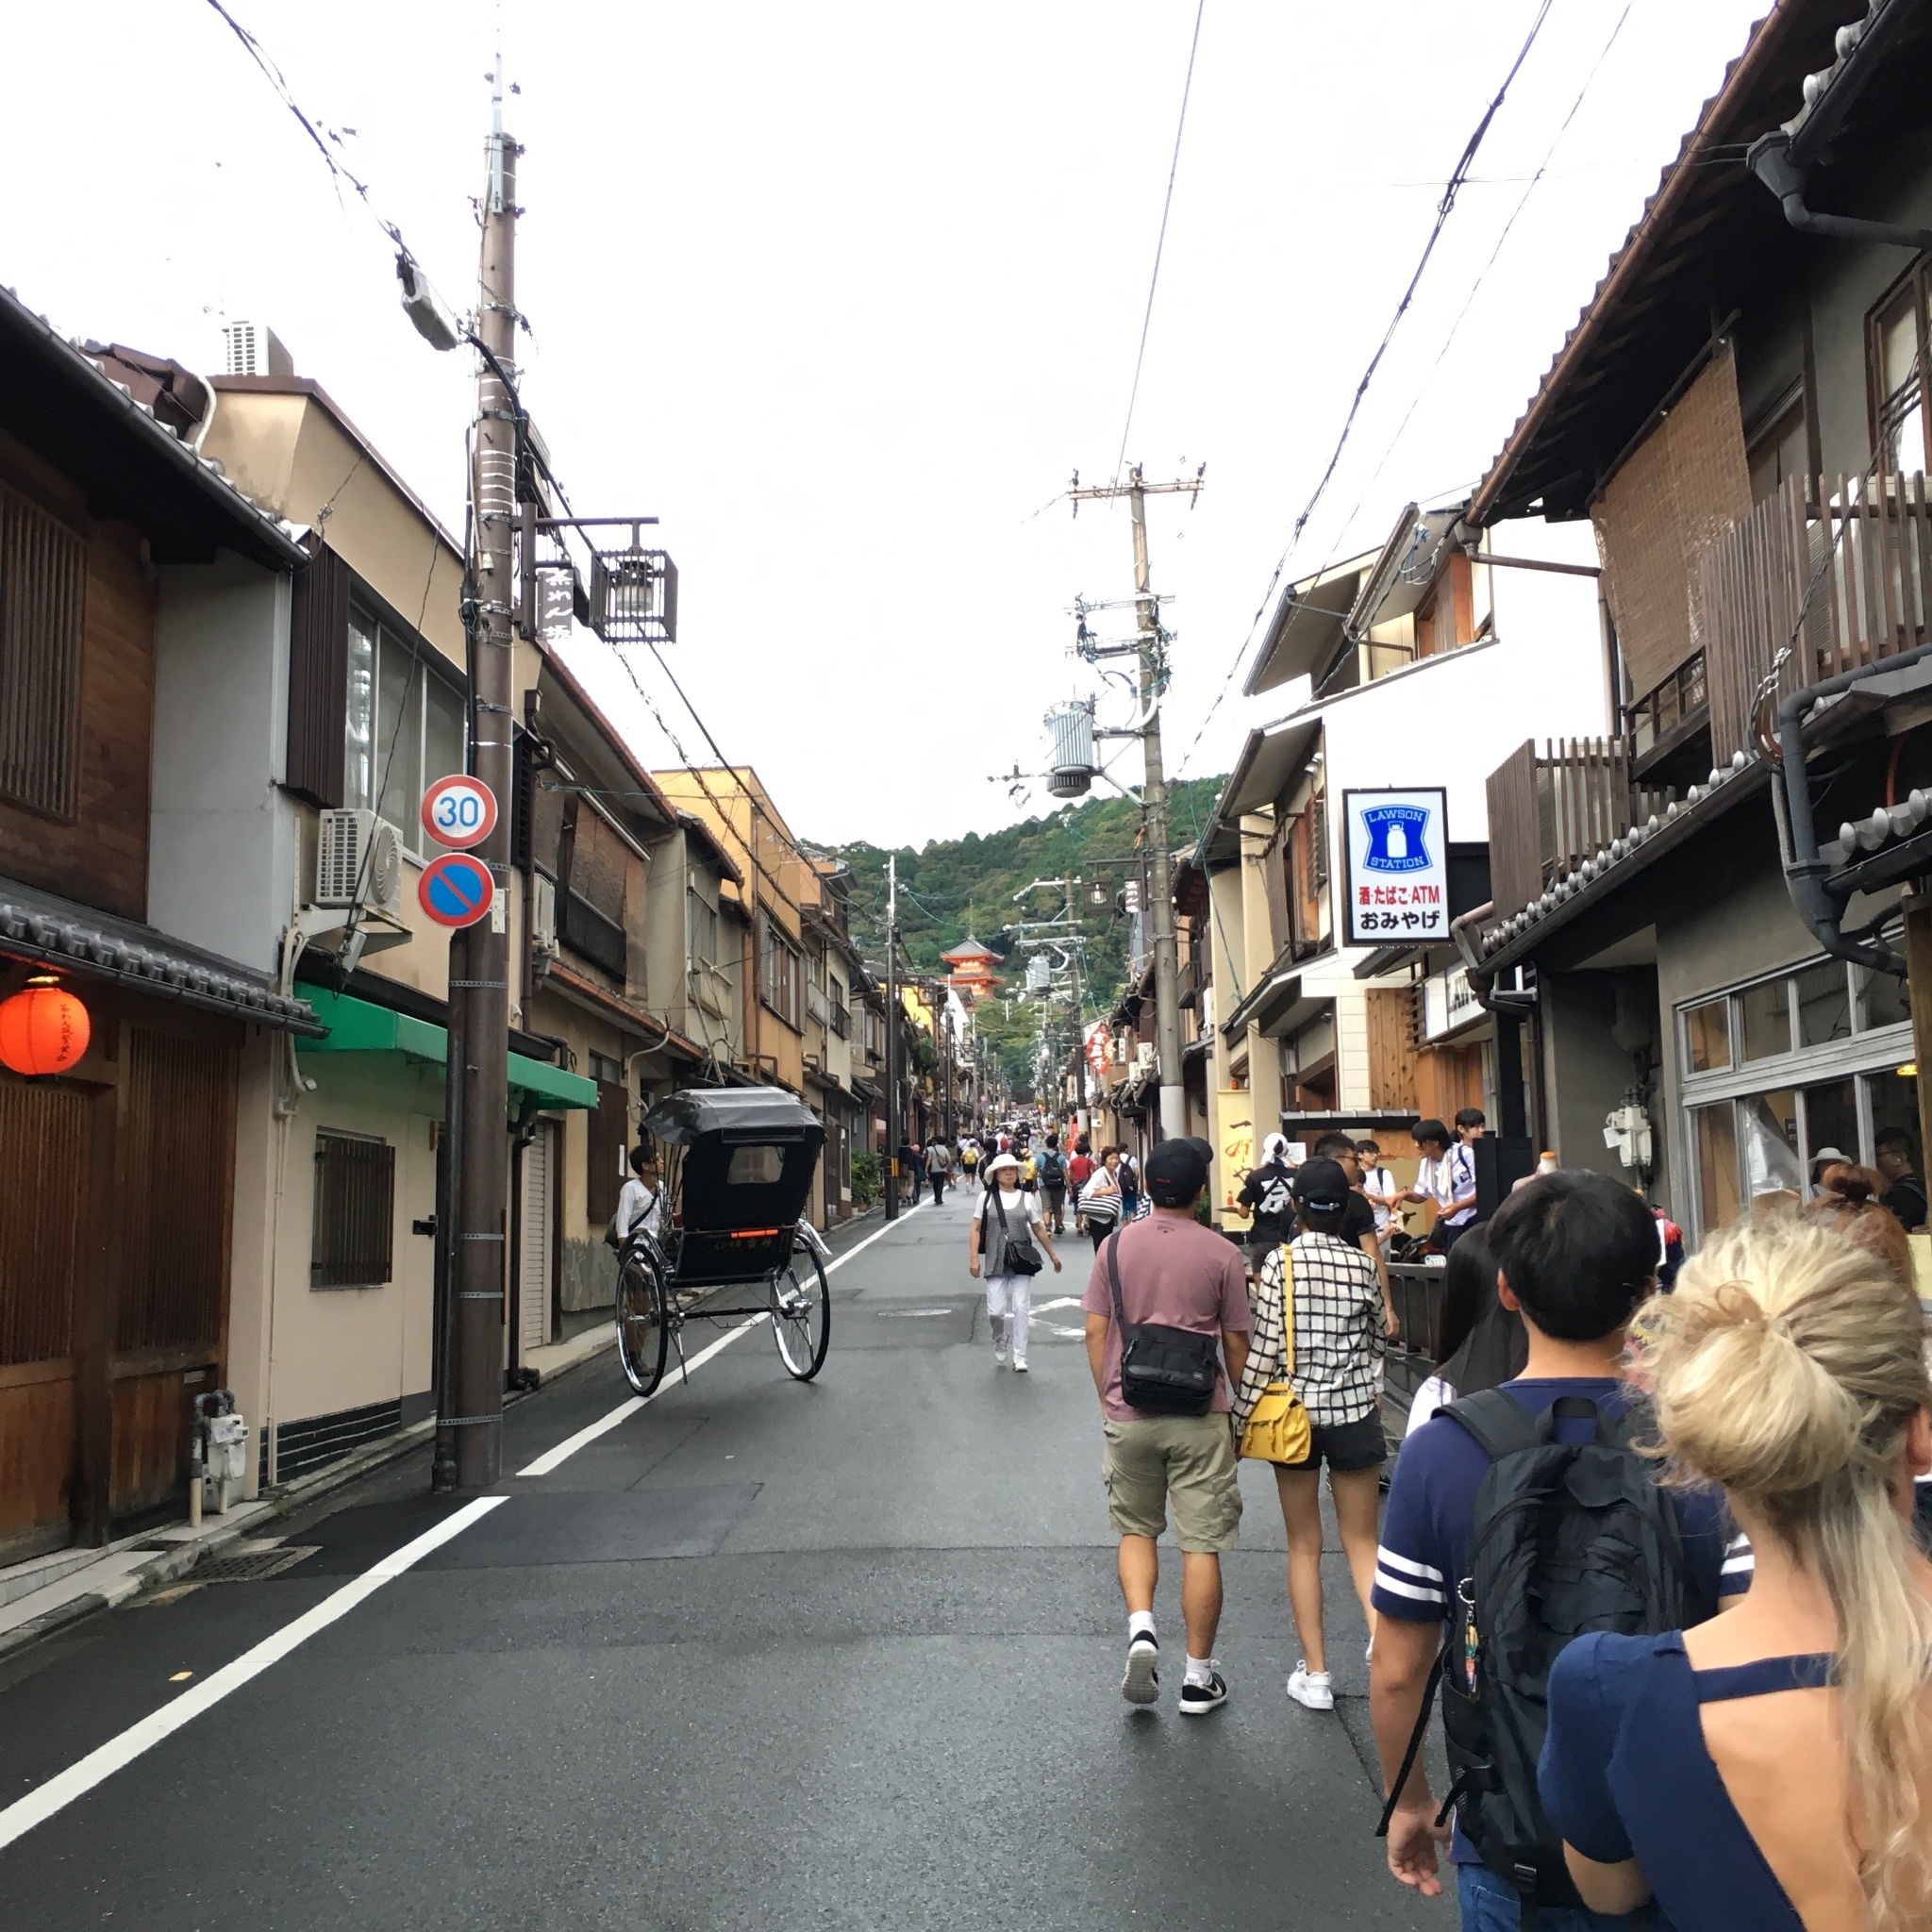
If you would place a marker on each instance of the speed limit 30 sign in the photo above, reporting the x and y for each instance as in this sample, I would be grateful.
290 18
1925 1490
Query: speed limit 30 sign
460 811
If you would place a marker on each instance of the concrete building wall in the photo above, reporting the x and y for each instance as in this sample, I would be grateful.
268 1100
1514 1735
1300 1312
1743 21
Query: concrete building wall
333 1349
221 849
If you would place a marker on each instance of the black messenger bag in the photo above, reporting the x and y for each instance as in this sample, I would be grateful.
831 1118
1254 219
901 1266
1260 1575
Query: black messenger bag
1163 1371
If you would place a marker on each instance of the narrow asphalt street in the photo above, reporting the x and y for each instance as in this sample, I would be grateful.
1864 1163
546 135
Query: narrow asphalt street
760 1655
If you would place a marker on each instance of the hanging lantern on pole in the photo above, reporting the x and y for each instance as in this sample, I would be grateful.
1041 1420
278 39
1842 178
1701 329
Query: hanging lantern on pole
43 1029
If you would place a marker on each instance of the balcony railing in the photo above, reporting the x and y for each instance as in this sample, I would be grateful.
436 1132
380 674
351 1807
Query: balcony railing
1550 814
1869 545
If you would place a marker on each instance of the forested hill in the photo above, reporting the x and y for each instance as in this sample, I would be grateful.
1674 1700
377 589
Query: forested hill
960 886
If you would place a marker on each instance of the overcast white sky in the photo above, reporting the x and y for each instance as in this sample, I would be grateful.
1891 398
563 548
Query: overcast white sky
845 292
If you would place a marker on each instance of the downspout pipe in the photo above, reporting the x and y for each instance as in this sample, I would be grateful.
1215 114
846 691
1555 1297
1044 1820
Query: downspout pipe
1805 869
1771 161
1463 930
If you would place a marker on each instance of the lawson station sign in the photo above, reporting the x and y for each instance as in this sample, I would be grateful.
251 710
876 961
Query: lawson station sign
1396 872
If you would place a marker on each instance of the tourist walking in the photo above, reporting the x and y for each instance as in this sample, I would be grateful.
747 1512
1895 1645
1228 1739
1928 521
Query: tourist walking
1176 1295
1130 1178
1001 1249
1052 1184
1680 1769
1100 1199
1522 1516
938 1168
1321 1321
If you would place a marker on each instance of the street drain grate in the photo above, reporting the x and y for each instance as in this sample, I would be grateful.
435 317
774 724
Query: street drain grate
252 1566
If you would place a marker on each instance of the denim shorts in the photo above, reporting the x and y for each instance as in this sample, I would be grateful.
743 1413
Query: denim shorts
1345 1447
1490 1904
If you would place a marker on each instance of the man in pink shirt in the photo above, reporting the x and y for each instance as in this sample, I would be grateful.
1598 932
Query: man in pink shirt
1177 1274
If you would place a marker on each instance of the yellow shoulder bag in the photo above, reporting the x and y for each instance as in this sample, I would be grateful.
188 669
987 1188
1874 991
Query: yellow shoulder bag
1278 1429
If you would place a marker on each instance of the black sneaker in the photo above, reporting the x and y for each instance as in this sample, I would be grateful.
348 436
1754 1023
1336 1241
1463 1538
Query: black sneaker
1197 1700
1141 1684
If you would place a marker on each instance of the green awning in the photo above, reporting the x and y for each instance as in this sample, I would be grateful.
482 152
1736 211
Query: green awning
361 1026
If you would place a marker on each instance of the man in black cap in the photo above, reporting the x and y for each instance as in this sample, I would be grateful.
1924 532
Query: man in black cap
1166 1270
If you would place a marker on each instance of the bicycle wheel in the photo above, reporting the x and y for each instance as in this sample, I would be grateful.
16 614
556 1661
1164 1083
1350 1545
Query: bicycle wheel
802 1313
643 1333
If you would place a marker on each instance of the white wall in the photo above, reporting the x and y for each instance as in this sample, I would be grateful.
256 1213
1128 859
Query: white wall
1451 721
221 849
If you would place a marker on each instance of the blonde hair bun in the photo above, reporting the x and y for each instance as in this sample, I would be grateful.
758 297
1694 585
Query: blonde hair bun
1787 1354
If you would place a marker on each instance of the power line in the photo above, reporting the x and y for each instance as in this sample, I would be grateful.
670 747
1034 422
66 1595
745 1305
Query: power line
1160 241
1443 210
1476 286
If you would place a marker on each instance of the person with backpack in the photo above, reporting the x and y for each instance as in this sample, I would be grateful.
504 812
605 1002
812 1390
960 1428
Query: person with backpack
1322 1323
1079 1170
1679 1768
1001 1244
938 1167
1166 1307
1268 1194
1447 1175
1521 1518
1051 1167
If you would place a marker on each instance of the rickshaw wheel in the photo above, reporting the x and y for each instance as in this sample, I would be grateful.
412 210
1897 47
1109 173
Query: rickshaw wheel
801 1313
643 1333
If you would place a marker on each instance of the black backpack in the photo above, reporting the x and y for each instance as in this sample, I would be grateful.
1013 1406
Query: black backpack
1567 1538
1053 1170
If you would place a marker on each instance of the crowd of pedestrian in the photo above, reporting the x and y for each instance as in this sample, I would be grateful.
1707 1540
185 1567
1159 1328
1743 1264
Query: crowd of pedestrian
1648 1543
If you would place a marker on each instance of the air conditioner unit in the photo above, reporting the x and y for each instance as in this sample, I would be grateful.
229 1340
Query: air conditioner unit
542 914
358 862
253 348
1143 1056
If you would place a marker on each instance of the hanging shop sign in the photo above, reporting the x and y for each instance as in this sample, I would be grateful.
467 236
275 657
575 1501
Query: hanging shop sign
456 889
460 811
43 1029
1396 867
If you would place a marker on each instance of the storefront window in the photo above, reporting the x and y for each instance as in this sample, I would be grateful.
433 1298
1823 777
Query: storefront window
1767 1125
1824 1004
1716 1138
1883 999
1764 1019
1708 1036
1895 1097
1831 1118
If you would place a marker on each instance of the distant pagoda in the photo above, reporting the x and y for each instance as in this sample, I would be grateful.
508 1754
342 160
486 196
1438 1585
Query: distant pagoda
971 967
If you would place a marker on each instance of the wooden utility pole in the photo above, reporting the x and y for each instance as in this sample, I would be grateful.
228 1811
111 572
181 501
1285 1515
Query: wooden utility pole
1167 1003
469 1418
893 1019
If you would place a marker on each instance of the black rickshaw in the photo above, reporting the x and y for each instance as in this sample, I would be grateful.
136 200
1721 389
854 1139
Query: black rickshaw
735 1164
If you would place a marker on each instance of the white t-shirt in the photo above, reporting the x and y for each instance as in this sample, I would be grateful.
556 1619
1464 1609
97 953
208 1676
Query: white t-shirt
1379 1181
636 1202
1022 1207
1435 1394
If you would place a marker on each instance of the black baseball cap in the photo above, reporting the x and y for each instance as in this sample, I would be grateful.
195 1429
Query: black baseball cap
1175 1173
1322 1185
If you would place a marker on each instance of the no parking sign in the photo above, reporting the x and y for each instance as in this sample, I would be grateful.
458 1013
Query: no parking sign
456 889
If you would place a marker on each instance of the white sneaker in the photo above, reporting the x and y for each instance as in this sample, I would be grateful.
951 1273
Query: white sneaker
1310 1689
1020 1363
1141 1684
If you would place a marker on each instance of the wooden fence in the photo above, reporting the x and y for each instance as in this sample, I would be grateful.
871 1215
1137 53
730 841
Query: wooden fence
1867 544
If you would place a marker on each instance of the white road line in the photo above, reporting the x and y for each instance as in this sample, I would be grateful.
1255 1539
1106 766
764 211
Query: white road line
1059 1301
79 1779
553 1458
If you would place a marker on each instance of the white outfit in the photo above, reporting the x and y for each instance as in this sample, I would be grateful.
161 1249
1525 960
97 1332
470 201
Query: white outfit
1435 1394
636 1205
1379 1181
1008 1296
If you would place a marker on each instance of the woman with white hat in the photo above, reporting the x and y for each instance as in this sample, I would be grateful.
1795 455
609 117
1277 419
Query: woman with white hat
1011 1221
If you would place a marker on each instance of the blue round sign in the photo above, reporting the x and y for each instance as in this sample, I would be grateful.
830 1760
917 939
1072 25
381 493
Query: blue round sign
456 889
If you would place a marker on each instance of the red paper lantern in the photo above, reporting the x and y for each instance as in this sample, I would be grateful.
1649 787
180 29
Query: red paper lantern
43 1030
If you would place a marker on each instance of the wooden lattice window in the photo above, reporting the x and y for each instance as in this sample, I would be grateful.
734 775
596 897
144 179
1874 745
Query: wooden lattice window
43 605
355 1212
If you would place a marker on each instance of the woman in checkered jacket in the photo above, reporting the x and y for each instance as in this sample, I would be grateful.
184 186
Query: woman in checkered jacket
1341 1325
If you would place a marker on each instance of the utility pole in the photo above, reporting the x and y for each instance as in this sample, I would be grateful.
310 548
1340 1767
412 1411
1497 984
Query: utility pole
469 1450
1151 648
892 1017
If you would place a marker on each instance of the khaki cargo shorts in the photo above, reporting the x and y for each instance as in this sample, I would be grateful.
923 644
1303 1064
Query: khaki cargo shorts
1188 1457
